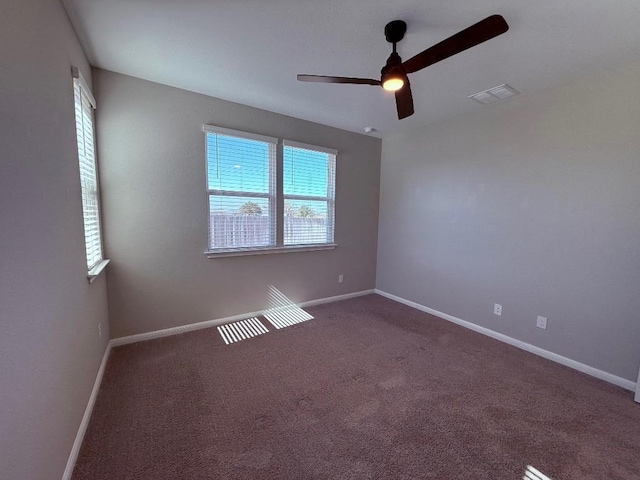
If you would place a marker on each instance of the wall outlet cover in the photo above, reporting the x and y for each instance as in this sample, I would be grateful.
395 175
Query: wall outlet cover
541 322
497 309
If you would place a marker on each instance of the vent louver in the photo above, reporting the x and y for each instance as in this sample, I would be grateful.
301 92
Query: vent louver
495 94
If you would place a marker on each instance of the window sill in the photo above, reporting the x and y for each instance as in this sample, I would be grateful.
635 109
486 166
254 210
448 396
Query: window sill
97 270
238 252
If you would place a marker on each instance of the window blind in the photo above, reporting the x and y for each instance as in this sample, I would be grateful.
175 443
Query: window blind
88 173
309 194
241 184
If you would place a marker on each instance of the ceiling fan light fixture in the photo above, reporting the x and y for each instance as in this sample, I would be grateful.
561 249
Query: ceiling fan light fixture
393 79
393 84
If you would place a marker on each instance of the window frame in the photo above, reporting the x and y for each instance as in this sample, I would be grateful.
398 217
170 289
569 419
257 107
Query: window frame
93 270
277 200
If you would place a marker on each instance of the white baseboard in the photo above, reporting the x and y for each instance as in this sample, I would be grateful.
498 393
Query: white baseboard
75 450
140 337
167 332
337 298
594 372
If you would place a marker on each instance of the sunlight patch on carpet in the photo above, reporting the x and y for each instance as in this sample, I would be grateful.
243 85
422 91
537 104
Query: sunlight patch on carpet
534 474
242 330
283 312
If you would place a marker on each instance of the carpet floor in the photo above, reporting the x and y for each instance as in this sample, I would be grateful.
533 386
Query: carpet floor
368 389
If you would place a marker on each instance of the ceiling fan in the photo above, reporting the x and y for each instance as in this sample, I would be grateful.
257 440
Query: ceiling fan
394 73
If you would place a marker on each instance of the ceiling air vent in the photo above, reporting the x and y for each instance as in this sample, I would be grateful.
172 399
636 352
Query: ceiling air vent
495 94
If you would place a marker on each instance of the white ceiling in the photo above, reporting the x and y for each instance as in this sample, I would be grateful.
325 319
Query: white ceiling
249 51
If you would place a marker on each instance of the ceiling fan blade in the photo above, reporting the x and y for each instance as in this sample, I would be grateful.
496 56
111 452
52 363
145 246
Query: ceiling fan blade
482 31
326 79
404 101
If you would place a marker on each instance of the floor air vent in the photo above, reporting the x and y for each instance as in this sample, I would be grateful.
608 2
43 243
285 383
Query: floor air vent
242 330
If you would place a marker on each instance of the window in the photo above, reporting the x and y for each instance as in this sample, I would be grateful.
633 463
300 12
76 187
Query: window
84 105
241 184
267 196
309 177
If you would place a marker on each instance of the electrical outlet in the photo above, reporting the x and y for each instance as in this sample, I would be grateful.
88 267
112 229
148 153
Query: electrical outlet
100 330
340 278
541 322
497 309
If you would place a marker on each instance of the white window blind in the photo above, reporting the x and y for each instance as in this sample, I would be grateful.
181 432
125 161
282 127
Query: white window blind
241 184
309 194
84 105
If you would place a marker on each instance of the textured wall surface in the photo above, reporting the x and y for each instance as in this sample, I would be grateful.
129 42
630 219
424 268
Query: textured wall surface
152 153
532 204
50 350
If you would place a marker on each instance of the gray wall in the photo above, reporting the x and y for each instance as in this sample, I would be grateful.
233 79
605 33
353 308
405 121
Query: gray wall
49 314
151 149
534 204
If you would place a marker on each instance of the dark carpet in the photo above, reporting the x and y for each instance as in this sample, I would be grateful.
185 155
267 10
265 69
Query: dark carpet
367 389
